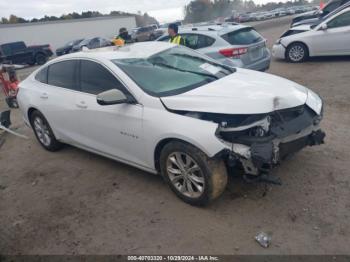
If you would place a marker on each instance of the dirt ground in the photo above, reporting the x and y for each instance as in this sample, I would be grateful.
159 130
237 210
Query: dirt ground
74 202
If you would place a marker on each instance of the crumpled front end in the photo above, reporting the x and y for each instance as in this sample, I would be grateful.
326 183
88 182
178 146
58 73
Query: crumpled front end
260 142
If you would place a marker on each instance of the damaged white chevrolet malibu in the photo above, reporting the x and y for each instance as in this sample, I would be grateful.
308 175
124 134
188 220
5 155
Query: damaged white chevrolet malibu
167 109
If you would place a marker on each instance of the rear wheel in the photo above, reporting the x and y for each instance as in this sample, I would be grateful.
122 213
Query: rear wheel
40 59
297 53
43 132
191 175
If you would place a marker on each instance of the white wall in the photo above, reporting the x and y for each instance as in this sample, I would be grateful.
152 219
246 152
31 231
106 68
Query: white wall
58 33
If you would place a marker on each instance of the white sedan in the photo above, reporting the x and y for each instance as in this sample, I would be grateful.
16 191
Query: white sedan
329 37
172 111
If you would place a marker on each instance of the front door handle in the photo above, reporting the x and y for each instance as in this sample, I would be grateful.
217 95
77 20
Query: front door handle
44 96
82 105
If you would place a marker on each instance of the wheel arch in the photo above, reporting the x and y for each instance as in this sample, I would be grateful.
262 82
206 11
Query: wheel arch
39 53
297 42
162 143
30 111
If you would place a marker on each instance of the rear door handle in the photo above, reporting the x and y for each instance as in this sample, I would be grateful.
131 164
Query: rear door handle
82 105
44 96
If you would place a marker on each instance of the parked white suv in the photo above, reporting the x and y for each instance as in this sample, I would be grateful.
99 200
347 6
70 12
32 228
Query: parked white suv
170 110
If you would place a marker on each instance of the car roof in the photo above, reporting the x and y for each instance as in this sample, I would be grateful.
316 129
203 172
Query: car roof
136 50
213 29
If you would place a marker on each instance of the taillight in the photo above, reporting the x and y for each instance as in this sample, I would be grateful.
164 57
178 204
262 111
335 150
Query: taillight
233 52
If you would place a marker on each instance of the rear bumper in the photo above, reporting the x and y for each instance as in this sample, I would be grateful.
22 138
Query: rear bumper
279 51
262 64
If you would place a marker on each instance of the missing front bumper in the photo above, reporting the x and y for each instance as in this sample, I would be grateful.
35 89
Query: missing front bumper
260 158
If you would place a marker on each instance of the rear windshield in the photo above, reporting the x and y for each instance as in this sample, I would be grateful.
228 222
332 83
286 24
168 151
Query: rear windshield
245 36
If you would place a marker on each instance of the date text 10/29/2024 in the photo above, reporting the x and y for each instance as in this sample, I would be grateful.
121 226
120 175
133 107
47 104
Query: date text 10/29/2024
173 258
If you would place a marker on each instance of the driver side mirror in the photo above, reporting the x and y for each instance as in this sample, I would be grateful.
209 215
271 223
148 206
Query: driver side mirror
324 27
113 97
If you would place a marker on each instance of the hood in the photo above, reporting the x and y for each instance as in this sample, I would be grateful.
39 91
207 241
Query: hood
306 27
310 21
243 92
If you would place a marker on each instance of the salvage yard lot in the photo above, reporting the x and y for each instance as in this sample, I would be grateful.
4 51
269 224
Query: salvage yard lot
74 202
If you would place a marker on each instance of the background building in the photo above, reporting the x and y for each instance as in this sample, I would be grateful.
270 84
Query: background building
57 33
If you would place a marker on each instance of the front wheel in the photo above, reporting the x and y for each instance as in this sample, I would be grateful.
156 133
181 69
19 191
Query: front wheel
297 53
191 175
43 132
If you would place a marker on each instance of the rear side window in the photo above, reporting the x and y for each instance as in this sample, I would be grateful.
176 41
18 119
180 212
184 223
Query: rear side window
95 79
244 36
64 74
41 76
196 41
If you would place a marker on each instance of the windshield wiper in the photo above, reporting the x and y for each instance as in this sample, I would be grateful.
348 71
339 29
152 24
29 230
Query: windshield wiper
185 71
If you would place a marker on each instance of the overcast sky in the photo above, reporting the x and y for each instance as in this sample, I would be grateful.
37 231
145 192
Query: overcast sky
163 10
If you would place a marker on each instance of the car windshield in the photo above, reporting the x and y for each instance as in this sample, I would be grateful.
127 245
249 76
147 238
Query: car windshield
324 18
171 72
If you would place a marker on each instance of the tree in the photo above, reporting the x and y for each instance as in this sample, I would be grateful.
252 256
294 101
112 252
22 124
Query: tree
4 20
13 19
198 11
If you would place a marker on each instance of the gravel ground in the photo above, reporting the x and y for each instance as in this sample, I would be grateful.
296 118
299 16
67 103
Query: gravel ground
74 202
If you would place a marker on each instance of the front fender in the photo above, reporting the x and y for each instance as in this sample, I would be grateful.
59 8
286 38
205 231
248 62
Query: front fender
160 125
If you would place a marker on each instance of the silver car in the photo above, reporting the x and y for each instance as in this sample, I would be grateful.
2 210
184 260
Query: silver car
233 45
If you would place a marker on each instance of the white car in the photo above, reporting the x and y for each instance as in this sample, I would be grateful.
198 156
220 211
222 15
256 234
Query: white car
329 37
170 110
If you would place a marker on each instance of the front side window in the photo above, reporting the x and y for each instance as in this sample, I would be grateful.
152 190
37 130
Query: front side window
95 43
340 21
244 36
95 79
174 71
64 74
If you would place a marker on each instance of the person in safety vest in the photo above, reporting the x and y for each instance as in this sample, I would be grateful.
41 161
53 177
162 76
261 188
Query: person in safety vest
122 38
175 38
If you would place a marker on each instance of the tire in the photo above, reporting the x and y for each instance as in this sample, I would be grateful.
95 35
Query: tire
205 182
43 132
297 53
40 59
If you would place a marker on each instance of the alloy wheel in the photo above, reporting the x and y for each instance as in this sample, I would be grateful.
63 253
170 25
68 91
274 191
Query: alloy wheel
42 131
185 174
296 53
